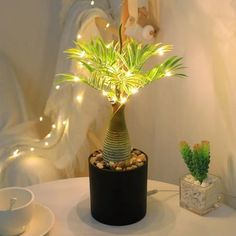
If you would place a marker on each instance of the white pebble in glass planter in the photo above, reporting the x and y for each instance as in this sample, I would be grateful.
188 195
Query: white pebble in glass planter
200 198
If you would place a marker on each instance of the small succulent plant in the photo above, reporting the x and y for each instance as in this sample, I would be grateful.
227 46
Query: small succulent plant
196 159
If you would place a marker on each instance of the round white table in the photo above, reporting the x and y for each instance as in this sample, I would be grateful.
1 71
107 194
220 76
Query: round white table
69 200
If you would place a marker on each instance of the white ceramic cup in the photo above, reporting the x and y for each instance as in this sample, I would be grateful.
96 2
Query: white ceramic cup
16 209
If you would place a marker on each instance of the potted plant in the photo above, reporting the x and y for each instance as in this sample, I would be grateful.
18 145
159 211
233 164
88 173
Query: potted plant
200 192
118 175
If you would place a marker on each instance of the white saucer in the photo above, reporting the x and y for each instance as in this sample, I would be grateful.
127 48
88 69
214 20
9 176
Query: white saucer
42 221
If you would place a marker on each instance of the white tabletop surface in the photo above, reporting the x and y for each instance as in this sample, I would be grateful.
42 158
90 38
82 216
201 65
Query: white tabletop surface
69 200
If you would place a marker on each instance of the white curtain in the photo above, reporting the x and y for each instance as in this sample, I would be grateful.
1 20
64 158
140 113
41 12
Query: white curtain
202 106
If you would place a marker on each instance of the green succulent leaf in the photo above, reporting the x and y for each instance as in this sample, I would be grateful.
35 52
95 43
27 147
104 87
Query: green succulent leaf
197 160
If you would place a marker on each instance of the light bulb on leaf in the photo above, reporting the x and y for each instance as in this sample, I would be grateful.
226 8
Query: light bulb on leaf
76 79
123 100
134 90
168 73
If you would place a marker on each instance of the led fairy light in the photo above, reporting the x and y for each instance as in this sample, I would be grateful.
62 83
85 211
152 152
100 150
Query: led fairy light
129 73
80 65
76 79
134 90
108 45
168 73
123 100
163 49
79 98
92 3
104 93
49 135
16 153
160 52
82 54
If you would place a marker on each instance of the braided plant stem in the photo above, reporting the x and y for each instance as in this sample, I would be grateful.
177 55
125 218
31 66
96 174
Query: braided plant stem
117 144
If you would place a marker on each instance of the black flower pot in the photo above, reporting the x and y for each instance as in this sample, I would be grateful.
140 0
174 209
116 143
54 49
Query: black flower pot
118 197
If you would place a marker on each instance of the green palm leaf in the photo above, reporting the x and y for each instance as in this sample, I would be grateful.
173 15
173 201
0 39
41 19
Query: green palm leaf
119 73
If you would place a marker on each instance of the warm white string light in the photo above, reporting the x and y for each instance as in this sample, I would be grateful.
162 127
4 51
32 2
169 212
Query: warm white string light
108 45
123 100
168 73
82 54
16 153
49 135
134 90
92 2
104 93
76 79
160 52
129 73
79 98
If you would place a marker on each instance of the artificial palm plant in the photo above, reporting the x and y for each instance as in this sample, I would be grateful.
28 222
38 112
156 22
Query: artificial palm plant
116 69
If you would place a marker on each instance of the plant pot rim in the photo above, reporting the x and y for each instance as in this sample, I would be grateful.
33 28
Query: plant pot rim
117 171
199 185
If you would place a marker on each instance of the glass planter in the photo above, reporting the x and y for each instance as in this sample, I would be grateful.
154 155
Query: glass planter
200 198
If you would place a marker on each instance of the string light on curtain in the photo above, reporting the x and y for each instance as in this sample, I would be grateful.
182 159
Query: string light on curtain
49 135
16 153
92 3
79 98
79 36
